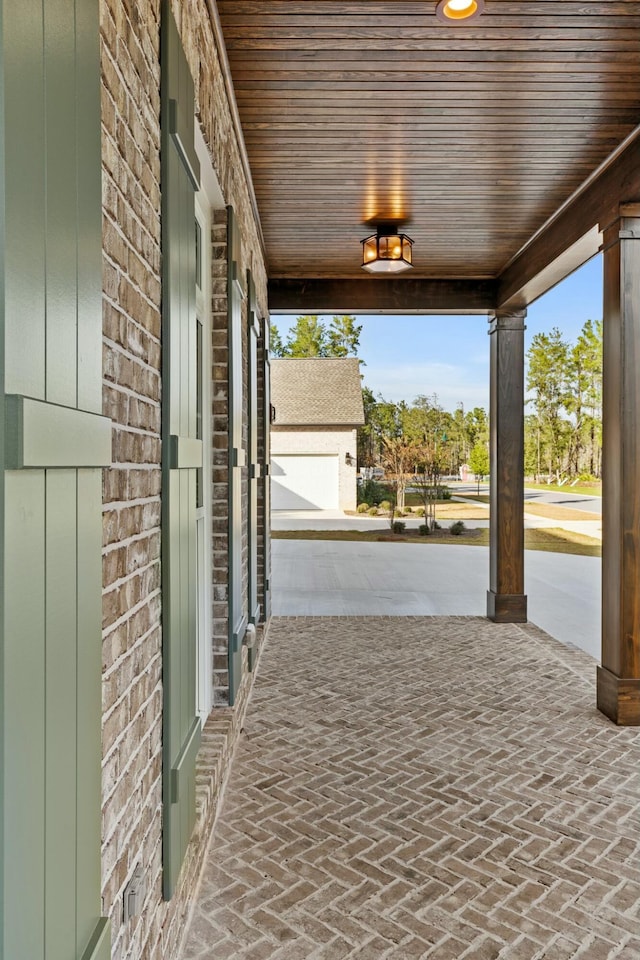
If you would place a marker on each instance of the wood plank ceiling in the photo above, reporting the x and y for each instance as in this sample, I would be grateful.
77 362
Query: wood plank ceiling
476 134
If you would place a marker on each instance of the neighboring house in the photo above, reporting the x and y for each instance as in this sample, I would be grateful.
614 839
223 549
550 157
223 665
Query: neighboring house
317 408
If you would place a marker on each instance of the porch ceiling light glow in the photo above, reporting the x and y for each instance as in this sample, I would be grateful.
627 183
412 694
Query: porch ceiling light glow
455 11
387 251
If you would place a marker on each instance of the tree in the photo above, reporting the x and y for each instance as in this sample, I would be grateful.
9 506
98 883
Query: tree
575 403
459 449
399 458
308 338
479 462
366 435
566 428
476 424
343 337
431 460
276 347
547 377
531 452
589 346
436 428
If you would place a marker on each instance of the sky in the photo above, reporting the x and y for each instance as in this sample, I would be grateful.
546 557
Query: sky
449 356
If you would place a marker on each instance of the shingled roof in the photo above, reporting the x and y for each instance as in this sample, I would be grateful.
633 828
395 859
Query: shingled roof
317 391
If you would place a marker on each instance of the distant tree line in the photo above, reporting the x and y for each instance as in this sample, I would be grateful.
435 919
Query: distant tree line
563 434
424 428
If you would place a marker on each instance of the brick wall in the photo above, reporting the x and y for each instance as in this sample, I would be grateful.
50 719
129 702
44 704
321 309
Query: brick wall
132 692
132 689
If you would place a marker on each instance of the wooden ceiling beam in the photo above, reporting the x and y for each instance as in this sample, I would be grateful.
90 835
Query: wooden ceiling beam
385 296
574 234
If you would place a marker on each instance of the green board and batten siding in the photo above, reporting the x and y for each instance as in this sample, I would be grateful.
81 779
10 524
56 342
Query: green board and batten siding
266 474
254 464
255 470
52 448
237 457
182 453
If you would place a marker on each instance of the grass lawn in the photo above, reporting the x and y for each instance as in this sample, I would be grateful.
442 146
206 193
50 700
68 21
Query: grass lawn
551 539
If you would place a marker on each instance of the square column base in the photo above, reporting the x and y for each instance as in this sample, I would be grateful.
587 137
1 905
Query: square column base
506 607
618 698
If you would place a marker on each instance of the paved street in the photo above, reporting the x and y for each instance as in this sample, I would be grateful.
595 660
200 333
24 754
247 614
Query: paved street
565 497
416 787
577 501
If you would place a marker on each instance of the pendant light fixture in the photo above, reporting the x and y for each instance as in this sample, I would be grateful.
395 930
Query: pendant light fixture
387 251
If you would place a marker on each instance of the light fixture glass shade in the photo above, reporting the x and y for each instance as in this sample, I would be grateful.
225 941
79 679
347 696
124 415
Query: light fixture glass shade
452 11
387 253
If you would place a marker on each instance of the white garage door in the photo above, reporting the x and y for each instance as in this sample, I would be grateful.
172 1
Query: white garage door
304 482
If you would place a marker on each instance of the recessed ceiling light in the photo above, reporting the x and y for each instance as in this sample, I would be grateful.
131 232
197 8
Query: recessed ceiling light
456 11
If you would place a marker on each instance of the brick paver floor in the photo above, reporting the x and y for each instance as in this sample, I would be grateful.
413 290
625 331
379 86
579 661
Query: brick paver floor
424 787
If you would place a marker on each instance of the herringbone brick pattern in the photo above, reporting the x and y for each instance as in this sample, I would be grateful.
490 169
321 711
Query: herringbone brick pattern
424 787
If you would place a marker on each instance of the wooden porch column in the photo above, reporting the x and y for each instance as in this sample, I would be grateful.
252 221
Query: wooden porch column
506 600
619 676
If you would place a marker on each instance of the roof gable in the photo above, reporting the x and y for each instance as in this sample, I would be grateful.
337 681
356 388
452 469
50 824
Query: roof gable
317 391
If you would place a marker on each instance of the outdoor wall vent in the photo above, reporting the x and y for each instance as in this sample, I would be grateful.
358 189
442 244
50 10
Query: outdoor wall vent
134 894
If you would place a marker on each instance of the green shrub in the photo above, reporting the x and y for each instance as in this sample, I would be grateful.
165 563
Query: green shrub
362 508
370 492
436 525
443 493
373 511
399 526
385 505
457 528
423 530
419 511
